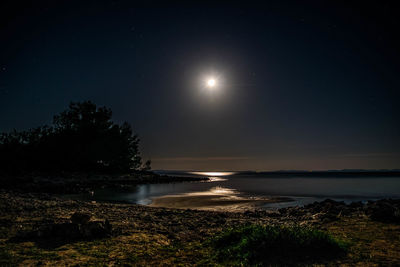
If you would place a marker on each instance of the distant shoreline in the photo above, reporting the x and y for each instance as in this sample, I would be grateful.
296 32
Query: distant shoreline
288 173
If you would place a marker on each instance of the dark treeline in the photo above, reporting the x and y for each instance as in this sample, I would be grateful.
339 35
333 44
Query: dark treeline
82 138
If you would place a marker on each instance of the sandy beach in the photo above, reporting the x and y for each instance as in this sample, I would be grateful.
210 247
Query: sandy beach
215 199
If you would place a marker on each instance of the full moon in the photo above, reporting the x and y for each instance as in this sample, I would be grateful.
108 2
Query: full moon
211 83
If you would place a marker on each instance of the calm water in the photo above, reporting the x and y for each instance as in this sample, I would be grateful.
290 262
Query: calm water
302 190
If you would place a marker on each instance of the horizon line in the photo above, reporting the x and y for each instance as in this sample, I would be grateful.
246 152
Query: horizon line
260 171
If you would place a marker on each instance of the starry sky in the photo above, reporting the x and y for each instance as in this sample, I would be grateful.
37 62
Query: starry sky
302 85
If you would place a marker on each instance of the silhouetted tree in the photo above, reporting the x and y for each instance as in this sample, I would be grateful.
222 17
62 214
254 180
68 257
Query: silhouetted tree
83 138
93 141
147 166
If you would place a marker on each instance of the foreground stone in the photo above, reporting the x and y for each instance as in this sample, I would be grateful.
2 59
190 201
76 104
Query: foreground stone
385 210
81 227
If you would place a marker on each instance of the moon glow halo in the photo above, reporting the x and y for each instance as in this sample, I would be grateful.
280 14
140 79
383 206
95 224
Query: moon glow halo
211 83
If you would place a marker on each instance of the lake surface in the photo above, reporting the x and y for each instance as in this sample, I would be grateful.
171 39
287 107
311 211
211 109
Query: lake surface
231 188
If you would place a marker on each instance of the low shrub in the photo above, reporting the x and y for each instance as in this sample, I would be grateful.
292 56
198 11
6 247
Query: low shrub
264 245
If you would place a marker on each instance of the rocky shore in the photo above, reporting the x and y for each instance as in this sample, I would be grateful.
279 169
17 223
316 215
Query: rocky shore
74 183
41 229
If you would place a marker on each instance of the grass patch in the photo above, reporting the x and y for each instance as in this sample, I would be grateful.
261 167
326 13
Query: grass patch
6 258
15 254
257 244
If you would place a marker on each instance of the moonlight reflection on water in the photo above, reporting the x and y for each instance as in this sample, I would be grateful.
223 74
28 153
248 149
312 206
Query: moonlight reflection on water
227 191
213 173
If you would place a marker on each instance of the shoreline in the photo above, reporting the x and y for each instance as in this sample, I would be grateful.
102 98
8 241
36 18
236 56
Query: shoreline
214 202
81 182
143 235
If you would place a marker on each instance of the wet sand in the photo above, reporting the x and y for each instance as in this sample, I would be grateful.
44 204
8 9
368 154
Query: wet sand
216 199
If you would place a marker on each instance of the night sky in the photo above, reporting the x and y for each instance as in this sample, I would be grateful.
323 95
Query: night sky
302 85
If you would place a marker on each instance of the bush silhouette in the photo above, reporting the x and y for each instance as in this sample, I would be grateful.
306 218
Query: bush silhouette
82 138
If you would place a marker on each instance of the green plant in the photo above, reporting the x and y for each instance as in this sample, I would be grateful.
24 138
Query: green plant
257 244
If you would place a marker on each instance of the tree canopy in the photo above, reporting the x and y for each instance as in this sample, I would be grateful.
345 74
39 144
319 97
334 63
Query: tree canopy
82 138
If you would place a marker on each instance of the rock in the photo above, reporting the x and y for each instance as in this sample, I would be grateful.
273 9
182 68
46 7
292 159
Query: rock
67 231
356 205
283 210
329 217
345 211
317 216
95 229
80 228
295 211
251 213
273 213
80 218
315 207
384 211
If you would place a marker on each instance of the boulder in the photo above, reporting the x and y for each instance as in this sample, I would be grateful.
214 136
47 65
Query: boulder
384 211
95 229
80 218
80 227
356 205
67 231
